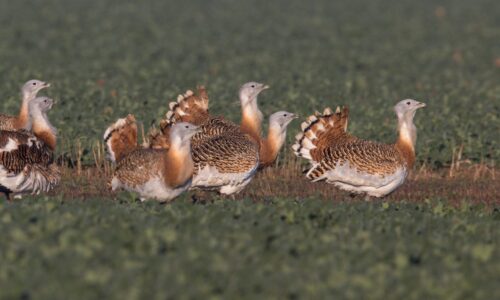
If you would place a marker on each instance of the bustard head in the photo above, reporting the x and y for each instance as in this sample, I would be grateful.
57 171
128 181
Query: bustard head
32 87
281 119
182 132
250 90
405 109
43 104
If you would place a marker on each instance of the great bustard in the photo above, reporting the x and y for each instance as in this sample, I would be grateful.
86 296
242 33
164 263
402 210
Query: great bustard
226 156
160 174
27 159
270 146
353 164
23 120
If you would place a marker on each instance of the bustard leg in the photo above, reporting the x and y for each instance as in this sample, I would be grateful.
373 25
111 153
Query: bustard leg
6 192
200 197
194 198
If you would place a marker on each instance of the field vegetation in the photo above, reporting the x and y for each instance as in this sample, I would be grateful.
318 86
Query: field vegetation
283 237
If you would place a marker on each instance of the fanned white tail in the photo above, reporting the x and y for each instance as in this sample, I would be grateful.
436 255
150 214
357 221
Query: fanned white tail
315 130
121 138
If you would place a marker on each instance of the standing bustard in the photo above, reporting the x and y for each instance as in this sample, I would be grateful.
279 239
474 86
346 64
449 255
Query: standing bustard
23 121
27 159
226 155
353 164
194 109
270 146
160 174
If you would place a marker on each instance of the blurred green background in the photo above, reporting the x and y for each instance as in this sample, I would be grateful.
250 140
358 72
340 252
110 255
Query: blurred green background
109 58
106 59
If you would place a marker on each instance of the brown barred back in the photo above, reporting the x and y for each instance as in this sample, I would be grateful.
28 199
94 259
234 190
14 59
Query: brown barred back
28 150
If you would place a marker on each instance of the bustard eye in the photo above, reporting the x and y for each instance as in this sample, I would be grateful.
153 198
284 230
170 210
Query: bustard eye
408 103
34 83
187 126
253 85
285 115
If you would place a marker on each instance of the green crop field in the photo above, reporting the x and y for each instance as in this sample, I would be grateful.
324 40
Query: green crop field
279 249
282 238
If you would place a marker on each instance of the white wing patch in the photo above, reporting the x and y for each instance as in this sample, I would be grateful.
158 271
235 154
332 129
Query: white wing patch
10 180
155 188
34 140
227 183
29 181
350 179
11 145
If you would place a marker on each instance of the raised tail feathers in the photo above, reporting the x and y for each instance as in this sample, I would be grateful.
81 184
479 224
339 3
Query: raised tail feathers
315 172
159 138
317 131
189 107
121 138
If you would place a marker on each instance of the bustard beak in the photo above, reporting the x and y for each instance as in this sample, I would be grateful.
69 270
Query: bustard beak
288 119
259 88
46 85
292 116
421 105
264 87
192 132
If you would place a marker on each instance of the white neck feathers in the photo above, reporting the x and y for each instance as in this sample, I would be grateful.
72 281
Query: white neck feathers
28 96
251 118
40 122
407 130
276 135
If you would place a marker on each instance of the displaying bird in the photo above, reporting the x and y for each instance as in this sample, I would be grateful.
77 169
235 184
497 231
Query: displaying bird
22 120
225 155
353 164
193 108
160 174
27 159
121 138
